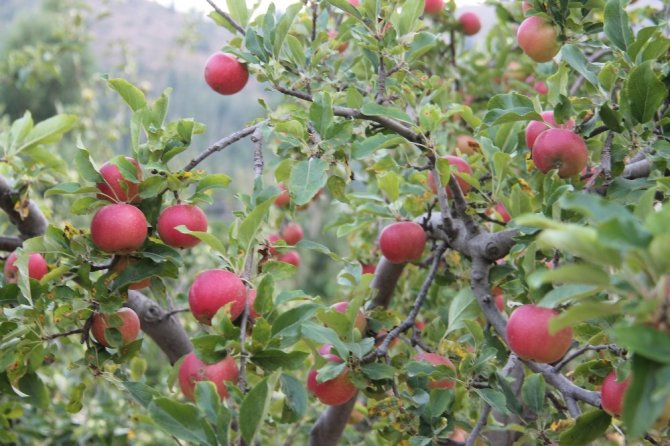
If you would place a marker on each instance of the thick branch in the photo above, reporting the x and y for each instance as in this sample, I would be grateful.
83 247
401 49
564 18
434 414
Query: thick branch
481 422
228 18
638 169
386 278
8 243
32 223
164 328
330 425
223 143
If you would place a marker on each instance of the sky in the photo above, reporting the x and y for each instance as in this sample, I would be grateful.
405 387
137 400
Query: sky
202 5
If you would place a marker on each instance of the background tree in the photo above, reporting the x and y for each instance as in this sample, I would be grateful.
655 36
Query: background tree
542 273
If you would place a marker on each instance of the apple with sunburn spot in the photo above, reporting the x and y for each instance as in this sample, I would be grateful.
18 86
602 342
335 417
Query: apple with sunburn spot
437 360
115 187
224 74
119 228
560 149
192 370
402 242
214 289
538 38
37 267
528 334
181 214
129 327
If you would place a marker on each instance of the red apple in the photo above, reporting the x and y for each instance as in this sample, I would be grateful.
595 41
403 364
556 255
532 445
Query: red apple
436 360
354 3
37 267
121 263
252 298
181 214
502 211
333 392
117 188
467 144
192 370
541 87
379 338
283 199
368 268
119 228
534 128
461 166
470 23
224 74
292 233
129 328
528 334
402 241
291 257
361 323
272 240
497 293
613 393
560 149
214 289
433 6
538 39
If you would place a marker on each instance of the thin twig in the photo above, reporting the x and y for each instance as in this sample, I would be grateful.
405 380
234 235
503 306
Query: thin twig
315 15
381 81
228 18
173 312
418 303
223 143
481 422
606 157
588 348
573 408
60 335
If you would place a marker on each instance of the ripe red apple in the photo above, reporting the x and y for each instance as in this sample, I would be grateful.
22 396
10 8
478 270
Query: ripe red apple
433 6
224 74
497 293
283 199
534 128
212 290
502 211
368 268
333 392
37 267
528 334
118 228
402 241
541 87
272 241
252 298
117 188
291 257
560 149
181 214
192 370
292 233
360 323
129 328
467 144
121 263
436 360
461 166
470 23
613 393
538 39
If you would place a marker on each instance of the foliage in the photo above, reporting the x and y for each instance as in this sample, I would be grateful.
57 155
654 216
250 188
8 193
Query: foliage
367 124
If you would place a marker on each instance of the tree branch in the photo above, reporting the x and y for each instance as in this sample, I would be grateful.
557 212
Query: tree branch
223 143
228 18
30 222
9 243
481 422
329 427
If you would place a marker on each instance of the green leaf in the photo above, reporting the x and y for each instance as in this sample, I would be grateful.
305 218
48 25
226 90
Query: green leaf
422 43
183 421
374 109
307 178
616 27
645 92
273 359
345 6
142 393
578 273
405 20
364 147
646 397
463 306
324 335
48 131
378 371
283 27
587 428
84 166
321 112
645 341
510 107
253 409
213 181
494 398
252 223
292 317
69 189
533 392
132 95
238 11
38 394
208 400
583 312
566 293
576 59
296 401
389 183
439 402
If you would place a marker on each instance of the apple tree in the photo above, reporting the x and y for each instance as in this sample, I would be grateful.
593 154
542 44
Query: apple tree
497 216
